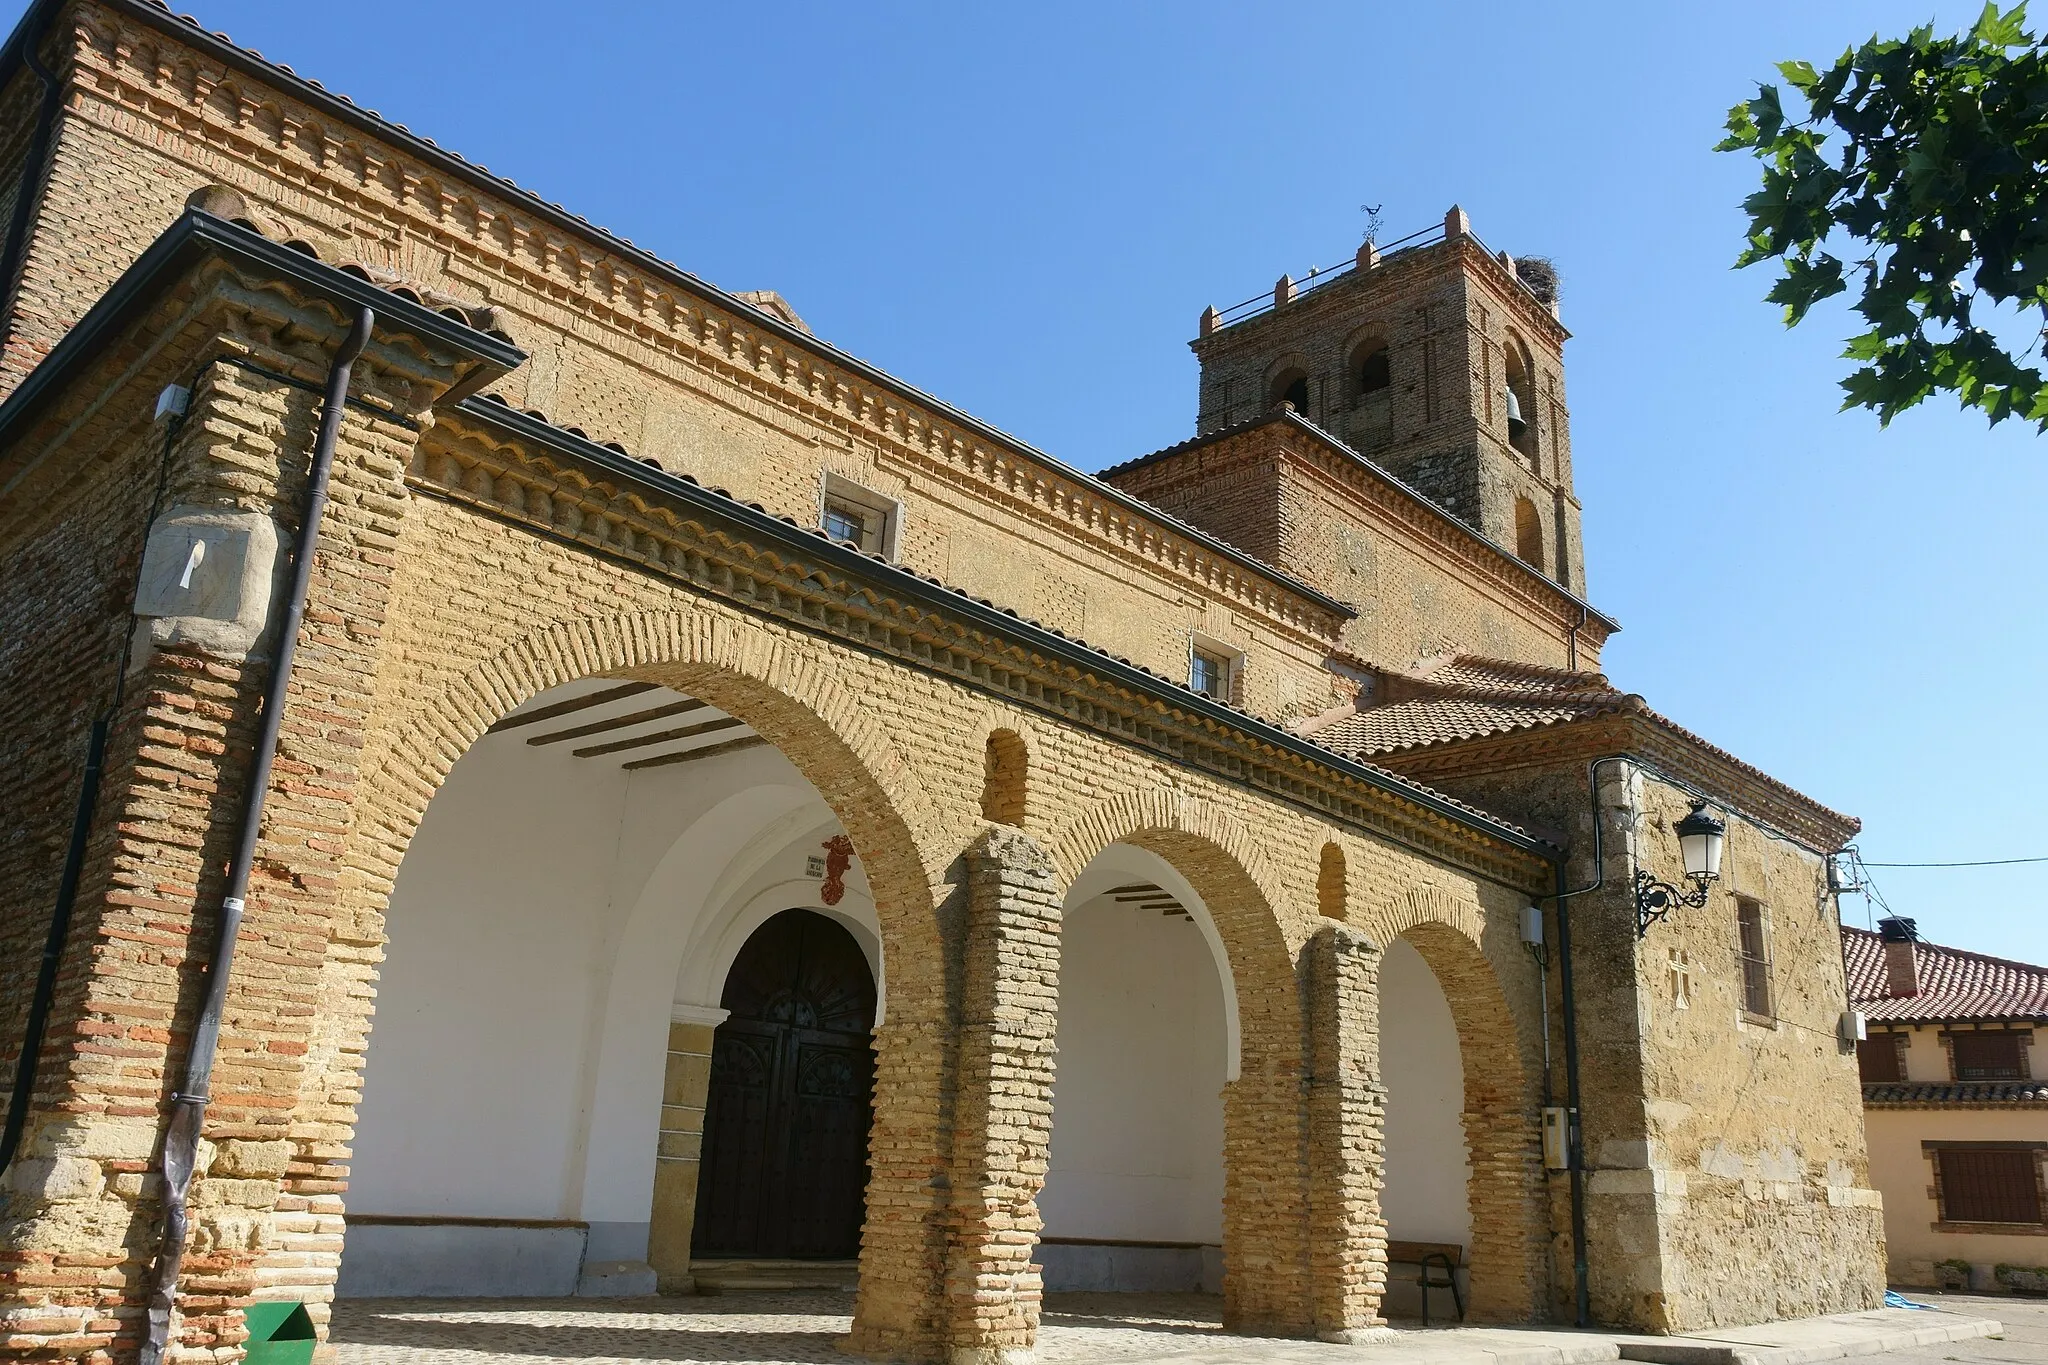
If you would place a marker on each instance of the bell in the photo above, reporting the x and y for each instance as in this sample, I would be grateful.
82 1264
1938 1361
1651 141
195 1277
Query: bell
1514 408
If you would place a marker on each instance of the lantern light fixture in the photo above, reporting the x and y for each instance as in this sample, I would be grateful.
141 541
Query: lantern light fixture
1701 836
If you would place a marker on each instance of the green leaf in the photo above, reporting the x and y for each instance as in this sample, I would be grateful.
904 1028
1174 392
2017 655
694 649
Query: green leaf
1800 76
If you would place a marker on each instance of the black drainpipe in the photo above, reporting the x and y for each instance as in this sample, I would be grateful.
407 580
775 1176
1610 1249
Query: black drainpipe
53 946
31 167
188 1112
1575 1156
1574 1137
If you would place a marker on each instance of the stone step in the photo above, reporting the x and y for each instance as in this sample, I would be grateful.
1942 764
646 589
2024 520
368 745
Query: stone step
731 1277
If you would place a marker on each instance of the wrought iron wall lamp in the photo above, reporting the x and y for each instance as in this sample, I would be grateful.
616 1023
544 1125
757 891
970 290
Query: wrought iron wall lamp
1700 836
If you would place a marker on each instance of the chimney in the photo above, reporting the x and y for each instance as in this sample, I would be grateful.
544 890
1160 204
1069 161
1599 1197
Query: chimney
1901 973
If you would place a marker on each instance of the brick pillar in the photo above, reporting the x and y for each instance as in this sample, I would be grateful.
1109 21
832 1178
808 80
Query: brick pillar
266 1201
1347 1108
1003 1112
686 1084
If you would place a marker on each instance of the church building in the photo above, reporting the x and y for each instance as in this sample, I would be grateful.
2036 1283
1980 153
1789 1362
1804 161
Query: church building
528 773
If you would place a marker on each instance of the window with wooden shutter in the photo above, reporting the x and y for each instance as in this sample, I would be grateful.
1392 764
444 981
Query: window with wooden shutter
1988 1184
1878 1059
1988 1056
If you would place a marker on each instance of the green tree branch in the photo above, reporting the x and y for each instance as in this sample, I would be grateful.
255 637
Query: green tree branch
1915 170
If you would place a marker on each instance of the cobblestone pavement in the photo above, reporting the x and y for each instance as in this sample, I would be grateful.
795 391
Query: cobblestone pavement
803 1327
790 1328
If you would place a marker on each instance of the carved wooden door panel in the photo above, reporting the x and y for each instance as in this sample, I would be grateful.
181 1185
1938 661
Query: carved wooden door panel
784 1166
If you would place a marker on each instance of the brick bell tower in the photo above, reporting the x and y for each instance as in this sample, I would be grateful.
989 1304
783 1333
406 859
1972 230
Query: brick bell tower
1434 358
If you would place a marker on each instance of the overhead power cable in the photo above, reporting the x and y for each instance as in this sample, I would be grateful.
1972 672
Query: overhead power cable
1982 862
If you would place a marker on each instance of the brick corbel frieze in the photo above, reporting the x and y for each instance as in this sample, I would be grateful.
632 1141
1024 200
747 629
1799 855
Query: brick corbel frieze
218 310
484 456
1397 508
656 318
1641 735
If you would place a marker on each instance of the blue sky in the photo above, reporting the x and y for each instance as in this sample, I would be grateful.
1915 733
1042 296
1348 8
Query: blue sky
1025 209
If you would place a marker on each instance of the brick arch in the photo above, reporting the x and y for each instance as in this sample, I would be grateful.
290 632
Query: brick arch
1426 905
814 720
1265 1240
1502 1107
789 695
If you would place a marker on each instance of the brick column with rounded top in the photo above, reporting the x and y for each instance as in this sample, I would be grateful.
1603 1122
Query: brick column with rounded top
1347 1106
1003 1112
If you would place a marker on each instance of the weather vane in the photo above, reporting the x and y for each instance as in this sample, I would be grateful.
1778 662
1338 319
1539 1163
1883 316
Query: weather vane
1372 220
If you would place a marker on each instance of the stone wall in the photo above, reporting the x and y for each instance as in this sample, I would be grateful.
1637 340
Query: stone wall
1424 585
1728 1179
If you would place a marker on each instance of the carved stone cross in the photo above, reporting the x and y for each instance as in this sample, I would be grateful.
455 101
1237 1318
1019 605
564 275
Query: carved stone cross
1681 979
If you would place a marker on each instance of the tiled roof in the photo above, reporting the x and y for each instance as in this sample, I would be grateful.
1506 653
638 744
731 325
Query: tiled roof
1470 697
1968 1094
1955 986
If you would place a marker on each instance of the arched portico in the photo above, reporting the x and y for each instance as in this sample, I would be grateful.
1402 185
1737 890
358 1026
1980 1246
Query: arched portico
1264 1238
811 765
1461 1068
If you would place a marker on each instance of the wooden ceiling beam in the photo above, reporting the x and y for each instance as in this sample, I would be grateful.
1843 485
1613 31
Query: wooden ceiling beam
731 746
598 727
574 704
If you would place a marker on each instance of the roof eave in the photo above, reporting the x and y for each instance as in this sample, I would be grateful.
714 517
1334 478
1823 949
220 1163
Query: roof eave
986 615
196 236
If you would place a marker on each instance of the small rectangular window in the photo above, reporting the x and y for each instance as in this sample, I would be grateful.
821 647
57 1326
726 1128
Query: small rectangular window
1878 1059
843 521
1988 1056
859 516
1210 674
1756 959
1987 1184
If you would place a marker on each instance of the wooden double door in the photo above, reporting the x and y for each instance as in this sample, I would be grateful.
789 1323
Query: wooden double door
784 1170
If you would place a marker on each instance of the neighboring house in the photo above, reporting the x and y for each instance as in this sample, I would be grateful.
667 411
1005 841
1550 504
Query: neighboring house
1956 1107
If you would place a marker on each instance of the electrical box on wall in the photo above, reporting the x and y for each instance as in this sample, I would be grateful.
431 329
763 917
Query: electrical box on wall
1854 1027
1557 1143
1532 925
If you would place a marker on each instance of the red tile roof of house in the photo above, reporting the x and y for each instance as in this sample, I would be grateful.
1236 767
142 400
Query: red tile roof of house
1955 986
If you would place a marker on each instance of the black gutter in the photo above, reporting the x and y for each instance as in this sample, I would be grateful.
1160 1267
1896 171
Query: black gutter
53 946
807 544
341 109
188 1112
196 236
33 164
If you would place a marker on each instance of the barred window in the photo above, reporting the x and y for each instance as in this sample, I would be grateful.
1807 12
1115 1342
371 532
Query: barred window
1756 959
1988 1056
1987 1184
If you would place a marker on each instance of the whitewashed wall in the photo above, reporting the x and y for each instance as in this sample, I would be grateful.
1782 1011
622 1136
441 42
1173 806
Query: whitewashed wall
1427 1168
547 918
1137 1141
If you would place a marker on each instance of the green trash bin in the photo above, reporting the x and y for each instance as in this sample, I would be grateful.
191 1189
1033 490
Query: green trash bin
279 1334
